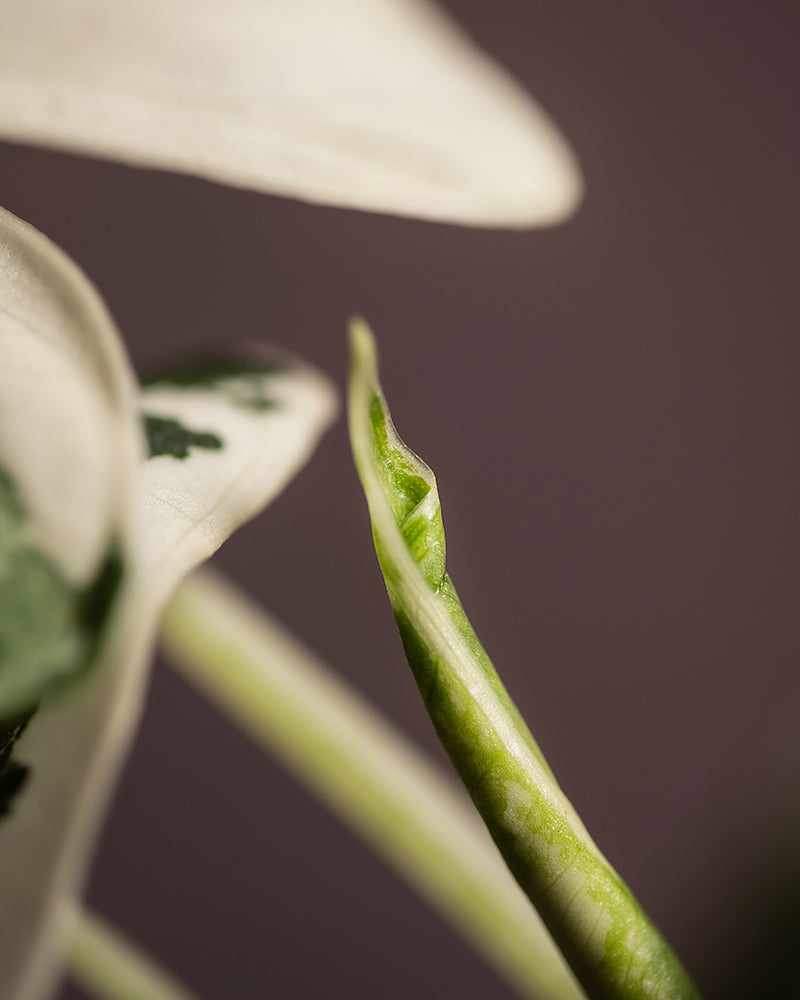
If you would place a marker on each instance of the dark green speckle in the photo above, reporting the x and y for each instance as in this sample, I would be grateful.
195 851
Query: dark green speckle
40 638
13 775
243 382
166 436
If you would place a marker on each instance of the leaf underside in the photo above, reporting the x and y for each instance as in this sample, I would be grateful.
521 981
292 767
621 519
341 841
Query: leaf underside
378 104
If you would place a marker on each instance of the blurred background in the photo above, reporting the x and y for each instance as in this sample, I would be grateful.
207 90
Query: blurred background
610 408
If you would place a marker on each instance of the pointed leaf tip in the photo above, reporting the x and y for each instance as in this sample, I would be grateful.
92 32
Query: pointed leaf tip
362 343
612 947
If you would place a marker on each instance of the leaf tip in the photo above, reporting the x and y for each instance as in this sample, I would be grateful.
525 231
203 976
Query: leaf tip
362 343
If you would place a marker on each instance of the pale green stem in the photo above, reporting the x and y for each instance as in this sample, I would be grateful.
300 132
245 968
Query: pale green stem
104 963
366 771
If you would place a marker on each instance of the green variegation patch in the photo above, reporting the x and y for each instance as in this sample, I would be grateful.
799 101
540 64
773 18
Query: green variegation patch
166 436
50 629
242 380
611 946
39 640
13 774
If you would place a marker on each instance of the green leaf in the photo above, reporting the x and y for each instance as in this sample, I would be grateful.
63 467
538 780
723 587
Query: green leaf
76 487
612 947
377 104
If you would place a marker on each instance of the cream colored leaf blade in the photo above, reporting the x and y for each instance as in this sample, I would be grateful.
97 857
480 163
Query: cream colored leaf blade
375 104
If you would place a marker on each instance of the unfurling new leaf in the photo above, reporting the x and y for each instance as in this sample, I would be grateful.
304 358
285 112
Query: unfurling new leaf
611 945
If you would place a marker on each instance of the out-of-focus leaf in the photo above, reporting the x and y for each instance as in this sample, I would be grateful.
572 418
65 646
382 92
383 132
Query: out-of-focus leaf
68 453
377 104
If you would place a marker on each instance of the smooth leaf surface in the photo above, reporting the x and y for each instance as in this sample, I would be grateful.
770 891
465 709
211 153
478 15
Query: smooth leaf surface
377 104
68 450
611 946
170 512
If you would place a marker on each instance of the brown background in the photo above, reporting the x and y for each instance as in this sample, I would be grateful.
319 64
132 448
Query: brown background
610 407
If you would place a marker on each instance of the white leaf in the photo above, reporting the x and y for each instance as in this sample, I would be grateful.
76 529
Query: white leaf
173 514
377 104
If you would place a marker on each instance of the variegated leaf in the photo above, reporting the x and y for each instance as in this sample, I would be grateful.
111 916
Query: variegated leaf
223 447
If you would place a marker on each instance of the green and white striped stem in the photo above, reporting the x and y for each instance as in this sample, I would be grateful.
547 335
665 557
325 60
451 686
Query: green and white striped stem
611 945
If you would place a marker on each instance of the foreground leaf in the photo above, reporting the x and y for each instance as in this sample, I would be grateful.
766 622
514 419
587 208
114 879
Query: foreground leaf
378 104
611 946
69 448
68 451
168 513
